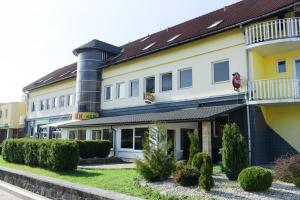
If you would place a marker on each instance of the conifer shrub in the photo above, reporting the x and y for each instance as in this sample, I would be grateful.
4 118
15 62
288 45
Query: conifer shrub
297 182
13 150
206 180
31 148
194 146
254 179
157 164
234 151
287 168
186 175
198 160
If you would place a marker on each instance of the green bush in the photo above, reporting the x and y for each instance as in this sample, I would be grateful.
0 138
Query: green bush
297 182
94 148
254 179
186 175
194 146
198 160
0 149
157 164
52 154
206 180
287 168
234 151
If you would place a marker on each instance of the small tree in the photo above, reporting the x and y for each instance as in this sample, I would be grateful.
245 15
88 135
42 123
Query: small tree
158 164
206 180
234 151
194 146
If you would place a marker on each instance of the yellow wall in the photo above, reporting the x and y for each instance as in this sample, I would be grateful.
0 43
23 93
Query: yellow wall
284 120
265 67
15 111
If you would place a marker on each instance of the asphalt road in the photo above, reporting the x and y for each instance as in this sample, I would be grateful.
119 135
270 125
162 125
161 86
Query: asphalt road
11 192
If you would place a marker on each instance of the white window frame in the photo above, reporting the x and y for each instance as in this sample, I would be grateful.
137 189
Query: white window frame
117 90
277 66
179 78
64 100
55 102
69 100
105 87
213 71
130 91
48 100
145 83
133 140
160 82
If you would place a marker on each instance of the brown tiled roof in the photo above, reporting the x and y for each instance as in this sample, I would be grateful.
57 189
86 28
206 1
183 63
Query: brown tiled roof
232 16
60 74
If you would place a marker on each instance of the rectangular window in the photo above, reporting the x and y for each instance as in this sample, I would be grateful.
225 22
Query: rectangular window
107 94
48 104
55 102
185 78
81 135
42 105
281 66
61 101
166 82
221 71
139 137
107 135
6 113
134 88
72 134
96 134
120 90
127 138
69 99
32 107
0 113
150 84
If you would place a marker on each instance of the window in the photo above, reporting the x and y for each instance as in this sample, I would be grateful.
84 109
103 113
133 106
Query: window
134 88
70 100
221 71
108 135
107 94
48 104
149 46
6 113
127 138
166 82
185 78
61 101
150 84
0 113
185 142
96 134
281 66
139 136
120 90
81 135
56 133
32 107
72 134
42 105
55 102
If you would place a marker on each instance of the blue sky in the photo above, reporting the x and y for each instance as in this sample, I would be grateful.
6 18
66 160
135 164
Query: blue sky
37 37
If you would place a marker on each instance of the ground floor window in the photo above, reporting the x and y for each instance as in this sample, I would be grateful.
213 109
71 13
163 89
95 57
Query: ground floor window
81 135
133 138
77 135
104 134
96 134
56 133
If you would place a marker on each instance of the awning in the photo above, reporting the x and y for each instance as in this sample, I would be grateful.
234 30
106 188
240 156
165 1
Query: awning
184 115
57 124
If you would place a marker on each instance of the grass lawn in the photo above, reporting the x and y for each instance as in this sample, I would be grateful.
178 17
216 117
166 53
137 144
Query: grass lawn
118 180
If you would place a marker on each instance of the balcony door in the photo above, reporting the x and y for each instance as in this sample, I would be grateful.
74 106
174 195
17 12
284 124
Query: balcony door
297 76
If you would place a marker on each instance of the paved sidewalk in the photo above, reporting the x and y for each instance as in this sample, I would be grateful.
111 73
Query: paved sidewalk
109 166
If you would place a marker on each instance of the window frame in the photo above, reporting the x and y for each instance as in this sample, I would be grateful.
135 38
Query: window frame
277 66
133 139
55 102
69 101
42 105
105 87
213 71
118 89
145 84
64 101
32 107
130 88
48 104
179 78
161 82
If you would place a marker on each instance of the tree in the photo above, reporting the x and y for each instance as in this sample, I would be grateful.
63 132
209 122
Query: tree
194 145
206 180
234 151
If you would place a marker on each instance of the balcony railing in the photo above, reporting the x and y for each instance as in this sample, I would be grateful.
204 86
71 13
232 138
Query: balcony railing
273 30
274 89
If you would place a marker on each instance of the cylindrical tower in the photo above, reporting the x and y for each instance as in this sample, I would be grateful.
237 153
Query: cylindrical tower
91 57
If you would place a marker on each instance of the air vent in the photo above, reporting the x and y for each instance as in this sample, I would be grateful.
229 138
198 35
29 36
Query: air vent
150 45
145 38
174 38
215 24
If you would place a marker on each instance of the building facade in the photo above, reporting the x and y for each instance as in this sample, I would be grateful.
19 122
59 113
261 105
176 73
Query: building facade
238 64
12 117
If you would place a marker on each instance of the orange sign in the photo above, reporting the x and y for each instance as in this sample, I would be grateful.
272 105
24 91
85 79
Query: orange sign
85 115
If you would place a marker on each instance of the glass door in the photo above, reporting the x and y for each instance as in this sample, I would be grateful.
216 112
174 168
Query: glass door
297 77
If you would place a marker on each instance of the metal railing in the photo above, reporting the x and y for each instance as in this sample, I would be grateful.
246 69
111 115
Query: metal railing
274 89
272 30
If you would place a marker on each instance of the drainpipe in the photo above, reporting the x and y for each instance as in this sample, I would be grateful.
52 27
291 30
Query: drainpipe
114 139
248 109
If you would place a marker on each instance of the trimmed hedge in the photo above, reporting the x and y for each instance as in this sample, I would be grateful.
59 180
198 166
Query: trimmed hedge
94 148
58 155
254 179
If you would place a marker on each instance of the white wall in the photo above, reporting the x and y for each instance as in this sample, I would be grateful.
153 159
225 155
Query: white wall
197 55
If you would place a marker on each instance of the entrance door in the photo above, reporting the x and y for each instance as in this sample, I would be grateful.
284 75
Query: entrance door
171 139
297 76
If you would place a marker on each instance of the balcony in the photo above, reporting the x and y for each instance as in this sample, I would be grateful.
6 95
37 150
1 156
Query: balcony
274 90
274 32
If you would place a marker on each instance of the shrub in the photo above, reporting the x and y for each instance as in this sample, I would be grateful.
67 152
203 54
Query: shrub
13 150
63 155
158 164
180 164
94 148
186 175
297 182
287 168
198 160
234 151
194 146
31 148
206 180
254 179
44 153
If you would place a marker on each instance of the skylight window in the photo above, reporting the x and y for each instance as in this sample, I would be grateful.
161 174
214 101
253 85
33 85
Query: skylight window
174 38
64 74
150 45
215 24
145 38
48 79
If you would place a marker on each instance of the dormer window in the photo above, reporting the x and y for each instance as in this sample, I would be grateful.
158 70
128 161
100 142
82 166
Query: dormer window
150 45
174 38
215 24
